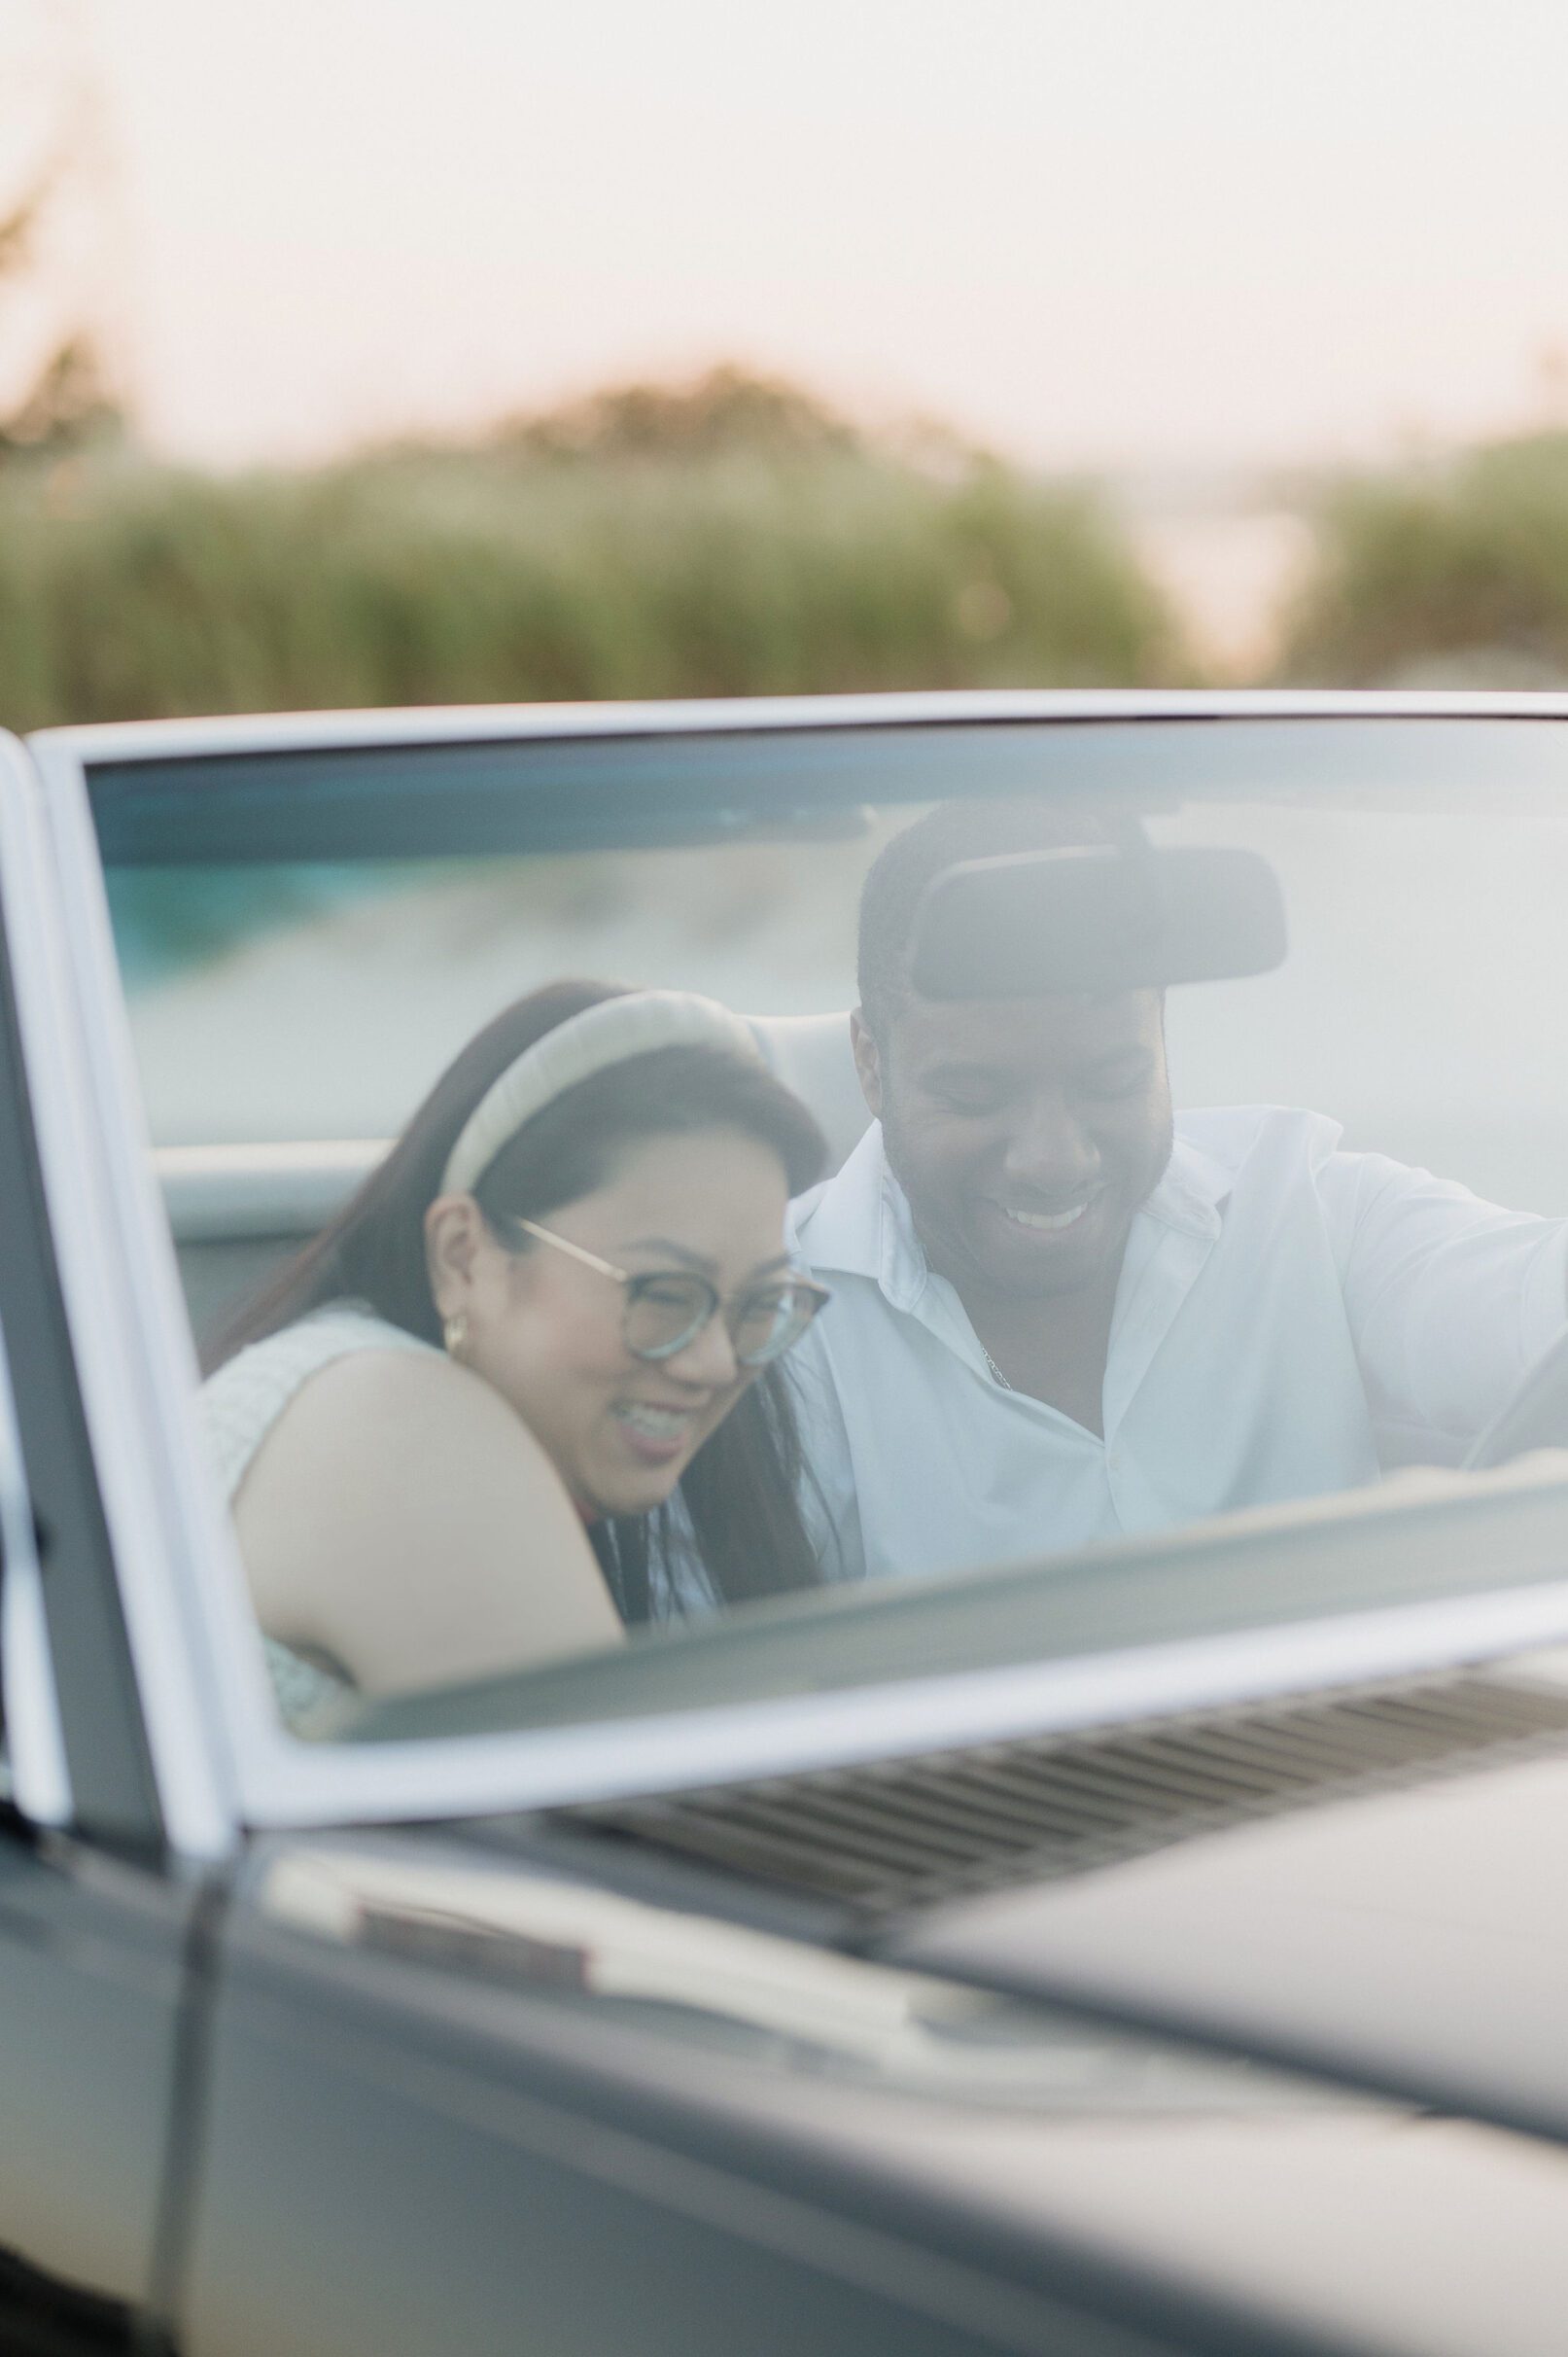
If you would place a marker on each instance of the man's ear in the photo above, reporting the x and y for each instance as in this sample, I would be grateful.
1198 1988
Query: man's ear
867 1063
454 1233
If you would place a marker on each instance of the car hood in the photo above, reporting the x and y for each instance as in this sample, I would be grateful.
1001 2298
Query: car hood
1409 1941
1413 1942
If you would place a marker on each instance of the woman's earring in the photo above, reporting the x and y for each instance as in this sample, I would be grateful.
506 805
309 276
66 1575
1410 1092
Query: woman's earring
455 1334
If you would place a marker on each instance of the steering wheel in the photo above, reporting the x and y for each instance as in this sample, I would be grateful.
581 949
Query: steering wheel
1534 1416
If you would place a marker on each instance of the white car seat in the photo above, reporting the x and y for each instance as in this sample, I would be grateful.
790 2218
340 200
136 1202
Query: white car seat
812 1055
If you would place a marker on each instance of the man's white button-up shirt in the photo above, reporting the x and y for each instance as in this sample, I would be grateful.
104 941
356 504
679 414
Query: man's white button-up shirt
1290 1320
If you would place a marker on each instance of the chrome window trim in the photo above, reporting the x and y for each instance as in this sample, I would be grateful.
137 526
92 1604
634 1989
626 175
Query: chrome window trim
192 1636
122 1389
39 1775
38 1778
306 731
296 1785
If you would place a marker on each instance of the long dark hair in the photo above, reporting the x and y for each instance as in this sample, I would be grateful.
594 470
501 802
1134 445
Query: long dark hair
741 1492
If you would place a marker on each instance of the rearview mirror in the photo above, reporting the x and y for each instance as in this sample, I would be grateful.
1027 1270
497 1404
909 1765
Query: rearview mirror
1095 919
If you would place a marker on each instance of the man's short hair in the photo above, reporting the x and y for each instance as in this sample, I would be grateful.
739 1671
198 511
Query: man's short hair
903 868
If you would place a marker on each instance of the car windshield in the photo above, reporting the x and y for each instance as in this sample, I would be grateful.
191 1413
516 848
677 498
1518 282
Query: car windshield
1221 1170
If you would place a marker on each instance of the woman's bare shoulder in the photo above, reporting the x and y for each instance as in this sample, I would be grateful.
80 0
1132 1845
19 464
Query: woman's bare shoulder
388 1397
379 1443
401 1516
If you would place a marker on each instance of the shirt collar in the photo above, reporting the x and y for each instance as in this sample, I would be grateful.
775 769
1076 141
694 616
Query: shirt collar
838 1226
1192 1192
859 1223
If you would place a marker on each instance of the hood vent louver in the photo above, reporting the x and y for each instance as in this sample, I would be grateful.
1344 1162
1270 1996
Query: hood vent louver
909 1833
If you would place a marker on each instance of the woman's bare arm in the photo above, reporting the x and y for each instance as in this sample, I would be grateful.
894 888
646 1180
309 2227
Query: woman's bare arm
400 1518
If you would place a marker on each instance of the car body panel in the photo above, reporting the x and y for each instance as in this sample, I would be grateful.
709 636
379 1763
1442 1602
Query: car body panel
95 1991
373 2100
368 2110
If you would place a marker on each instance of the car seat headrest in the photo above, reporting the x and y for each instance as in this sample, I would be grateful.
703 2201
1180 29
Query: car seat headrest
812 1055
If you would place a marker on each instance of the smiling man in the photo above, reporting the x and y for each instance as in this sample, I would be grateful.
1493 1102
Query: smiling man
1062 1314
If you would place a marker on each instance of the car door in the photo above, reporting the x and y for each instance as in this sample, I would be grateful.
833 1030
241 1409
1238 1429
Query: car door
97 1915
440 2118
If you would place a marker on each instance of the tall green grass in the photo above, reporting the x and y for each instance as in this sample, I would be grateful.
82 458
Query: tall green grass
520 572
1465 559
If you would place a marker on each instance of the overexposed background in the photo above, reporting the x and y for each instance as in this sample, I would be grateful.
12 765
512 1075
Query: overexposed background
1142 233
1190 245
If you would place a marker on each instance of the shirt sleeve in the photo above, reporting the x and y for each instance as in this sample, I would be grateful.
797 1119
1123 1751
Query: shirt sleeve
1451 1300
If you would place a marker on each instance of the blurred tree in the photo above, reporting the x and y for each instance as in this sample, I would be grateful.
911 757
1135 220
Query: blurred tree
467 577
1455 568
68 403
15 233
66 399
726 409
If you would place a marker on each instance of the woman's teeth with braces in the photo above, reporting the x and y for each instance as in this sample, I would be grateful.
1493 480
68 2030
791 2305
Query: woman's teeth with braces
1047 1220
655 1423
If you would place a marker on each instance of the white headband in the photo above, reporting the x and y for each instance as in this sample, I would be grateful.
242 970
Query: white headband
637 1023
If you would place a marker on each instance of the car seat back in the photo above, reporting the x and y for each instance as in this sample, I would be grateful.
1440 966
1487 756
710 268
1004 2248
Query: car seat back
812 1055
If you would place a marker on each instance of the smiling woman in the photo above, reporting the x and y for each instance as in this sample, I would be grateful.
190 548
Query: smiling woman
642 1124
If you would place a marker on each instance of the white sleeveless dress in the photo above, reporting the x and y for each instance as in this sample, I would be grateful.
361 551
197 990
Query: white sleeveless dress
242 1402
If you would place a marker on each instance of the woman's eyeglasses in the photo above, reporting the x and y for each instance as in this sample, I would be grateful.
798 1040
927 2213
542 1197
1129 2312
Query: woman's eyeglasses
667 1309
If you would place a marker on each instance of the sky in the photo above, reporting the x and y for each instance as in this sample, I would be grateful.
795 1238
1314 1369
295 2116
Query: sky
1113 234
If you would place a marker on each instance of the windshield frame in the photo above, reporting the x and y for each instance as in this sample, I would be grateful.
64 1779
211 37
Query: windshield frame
194 1643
